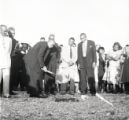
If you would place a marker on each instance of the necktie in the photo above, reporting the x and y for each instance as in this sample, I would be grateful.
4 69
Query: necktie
71 53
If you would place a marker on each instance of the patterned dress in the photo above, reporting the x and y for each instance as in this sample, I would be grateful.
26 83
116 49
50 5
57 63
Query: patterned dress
114 67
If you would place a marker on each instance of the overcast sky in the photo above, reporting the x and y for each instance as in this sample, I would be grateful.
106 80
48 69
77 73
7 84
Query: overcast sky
104 21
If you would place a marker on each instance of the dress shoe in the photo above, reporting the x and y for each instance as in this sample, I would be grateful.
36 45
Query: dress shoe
15 89
12 93
62 92
71 92
84 97
78 92
6 96
114 92
31 95
127 92
93 94
42 96
23 89
53 93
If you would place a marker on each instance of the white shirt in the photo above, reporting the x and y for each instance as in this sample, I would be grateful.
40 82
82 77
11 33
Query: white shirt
5 51
97 56
84 48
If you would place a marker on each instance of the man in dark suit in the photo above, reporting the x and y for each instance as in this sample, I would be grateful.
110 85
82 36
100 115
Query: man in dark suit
86 64
14 61
35 66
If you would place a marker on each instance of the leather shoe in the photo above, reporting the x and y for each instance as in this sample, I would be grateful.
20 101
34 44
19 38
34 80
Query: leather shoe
62 92
71 93
12 93
7 96
42 96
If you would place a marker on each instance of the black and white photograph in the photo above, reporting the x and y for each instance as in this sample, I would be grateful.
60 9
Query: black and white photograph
64 59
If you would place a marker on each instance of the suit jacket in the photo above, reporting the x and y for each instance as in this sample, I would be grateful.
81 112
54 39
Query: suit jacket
14 43
35 57
90 55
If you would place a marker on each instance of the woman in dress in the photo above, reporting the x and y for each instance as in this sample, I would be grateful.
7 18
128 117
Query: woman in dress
114 65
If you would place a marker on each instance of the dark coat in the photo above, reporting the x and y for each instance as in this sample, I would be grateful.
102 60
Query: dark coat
52 60
35 57
14 43
90 57
34 61
101 69
51 63
125 72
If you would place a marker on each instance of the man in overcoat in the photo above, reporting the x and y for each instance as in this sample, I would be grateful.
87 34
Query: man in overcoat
35 67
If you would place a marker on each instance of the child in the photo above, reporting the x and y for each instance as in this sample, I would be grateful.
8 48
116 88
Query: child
101 68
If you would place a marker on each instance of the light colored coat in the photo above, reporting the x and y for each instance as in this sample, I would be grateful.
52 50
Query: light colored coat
65 55
5 51
66 72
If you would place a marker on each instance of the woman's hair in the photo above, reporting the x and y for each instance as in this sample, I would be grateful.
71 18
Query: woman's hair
72 38
127 45
101 48
119 46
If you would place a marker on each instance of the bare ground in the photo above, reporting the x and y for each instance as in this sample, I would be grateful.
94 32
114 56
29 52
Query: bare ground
66 107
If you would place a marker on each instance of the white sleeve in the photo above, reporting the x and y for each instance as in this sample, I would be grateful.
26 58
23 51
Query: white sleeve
64 55
8 47
74 60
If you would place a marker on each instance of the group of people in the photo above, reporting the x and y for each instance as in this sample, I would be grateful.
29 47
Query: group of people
49 68
12 67
113 69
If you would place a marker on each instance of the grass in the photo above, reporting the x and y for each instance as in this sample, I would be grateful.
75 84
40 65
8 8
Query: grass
64 107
